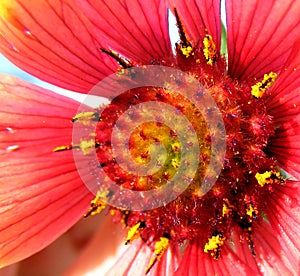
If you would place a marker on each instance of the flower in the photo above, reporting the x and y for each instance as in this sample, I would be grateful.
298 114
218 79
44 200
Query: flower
248 222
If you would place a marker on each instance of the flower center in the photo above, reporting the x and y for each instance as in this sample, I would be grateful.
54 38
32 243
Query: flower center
236 200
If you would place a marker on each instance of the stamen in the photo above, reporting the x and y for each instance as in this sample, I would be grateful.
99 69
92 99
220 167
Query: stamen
209 49
183 39
213 245
133 232
62 148
160 248
225 210
97 204
184 46
269 177
251 211
86 146
260 88
85 118
125 63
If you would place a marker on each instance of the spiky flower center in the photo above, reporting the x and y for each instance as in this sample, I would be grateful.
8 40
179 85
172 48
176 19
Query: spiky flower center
236 200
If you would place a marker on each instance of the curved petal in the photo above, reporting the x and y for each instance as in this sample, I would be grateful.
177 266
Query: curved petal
53 41
260 35
135 28
41 193
284 106
196 262
136 258
200 17
283 213
272 257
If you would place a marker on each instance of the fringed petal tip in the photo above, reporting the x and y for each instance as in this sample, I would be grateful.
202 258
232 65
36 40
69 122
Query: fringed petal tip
41 193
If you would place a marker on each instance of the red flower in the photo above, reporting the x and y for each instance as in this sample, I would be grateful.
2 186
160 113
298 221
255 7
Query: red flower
248 222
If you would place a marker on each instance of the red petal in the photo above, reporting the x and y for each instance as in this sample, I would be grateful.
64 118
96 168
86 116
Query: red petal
272 258
53 41
136 258
200 17
260 35
284 106
276 242
137 29
196 262
283 213
41 194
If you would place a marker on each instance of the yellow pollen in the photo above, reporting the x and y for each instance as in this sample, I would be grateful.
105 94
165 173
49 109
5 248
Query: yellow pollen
213 243
97 204
87 146
62 148
250 210
268 177
175 146
85 118
175 163
260 88
225 210
187 51
209 49
133 233
160 247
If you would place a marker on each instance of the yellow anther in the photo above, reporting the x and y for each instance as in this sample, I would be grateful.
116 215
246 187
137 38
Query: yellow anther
133 233
268 177
209 49
260 88
175 146
175 163
225 210
87 146
85 118
97 204
187 51
160 248
250 211
62 148
214 243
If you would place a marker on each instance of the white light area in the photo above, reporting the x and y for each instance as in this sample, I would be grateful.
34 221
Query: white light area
223 13
173 30
103 268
